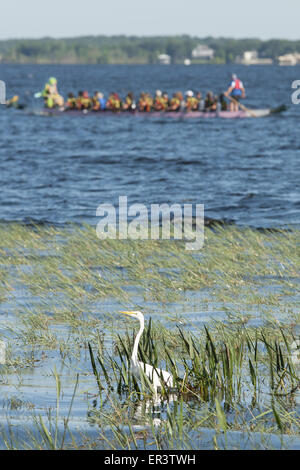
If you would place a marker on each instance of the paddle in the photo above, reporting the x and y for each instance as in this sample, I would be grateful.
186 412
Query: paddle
279 109
242 106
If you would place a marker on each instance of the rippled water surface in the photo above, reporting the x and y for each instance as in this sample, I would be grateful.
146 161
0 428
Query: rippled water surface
59 169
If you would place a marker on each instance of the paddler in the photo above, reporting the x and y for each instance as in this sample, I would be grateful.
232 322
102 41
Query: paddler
113 103
149 102
95 102
192 103
159 104
102 101
209 101
86 100
79 99
129 104
142 103
99 102
175 103
200 99
237 91
71 102
166 100
223 102
14 103
181 99
50 94
83 101
215 105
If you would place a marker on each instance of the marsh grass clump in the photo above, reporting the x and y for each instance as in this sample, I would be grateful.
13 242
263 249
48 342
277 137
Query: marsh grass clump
207 366
245 378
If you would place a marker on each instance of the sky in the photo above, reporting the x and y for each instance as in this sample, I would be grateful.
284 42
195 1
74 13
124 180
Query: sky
262 19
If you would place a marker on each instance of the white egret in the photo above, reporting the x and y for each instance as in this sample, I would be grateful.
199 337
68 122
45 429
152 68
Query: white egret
156 376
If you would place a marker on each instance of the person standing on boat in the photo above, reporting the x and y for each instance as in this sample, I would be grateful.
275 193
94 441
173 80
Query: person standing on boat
237 91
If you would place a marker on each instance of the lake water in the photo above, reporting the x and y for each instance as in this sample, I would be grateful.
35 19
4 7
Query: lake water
58 169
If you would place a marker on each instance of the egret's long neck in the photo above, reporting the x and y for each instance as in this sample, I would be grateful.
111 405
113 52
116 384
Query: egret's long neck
134 356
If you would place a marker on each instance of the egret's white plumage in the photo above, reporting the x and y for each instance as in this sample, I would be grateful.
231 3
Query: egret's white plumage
156 376
2 352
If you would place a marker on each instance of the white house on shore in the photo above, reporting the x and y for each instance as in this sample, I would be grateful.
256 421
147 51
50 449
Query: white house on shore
203 52
289 59
251 58
164 59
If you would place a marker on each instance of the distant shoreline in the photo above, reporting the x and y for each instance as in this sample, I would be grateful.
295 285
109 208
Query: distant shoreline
144 64
130 64
118 50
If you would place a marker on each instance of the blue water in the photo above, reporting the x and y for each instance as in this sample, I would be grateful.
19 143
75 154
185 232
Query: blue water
58 169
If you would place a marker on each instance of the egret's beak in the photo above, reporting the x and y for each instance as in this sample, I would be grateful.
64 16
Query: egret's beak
127 313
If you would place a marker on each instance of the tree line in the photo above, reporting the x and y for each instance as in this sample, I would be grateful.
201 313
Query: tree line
133 49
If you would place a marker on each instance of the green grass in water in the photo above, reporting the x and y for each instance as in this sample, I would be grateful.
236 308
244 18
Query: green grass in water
61 290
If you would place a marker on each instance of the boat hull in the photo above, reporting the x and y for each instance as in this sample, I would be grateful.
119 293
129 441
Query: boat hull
161 115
